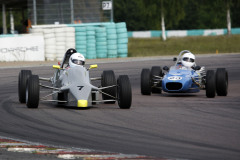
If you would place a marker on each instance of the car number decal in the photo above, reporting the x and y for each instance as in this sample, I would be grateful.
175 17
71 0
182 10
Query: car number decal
80 87
174 78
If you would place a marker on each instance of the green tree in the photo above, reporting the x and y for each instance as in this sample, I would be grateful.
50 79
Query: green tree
146 15
235 13
178 14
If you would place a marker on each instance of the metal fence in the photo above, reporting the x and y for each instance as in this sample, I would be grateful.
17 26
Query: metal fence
67 11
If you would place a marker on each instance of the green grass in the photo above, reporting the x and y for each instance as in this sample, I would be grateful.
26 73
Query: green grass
138 47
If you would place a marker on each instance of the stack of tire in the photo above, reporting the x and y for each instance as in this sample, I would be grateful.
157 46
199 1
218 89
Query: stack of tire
111 40
36 31
91 43
70 37
60 34
101 42
81 40
50 44
122 39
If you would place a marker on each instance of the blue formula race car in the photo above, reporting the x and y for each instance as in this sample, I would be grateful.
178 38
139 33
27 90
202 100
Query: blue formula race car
184 77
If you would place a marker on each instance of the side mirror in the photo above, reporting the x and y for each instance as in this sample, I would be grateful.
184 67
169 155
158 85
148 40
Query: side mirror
174 59
165 68
93 66
197 68
56 67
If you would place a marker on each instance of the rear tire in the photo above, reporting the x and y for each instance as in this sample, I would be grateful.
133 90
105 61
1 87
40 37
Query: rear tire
32 92
210 84
108 79
145 82
156 71
22 84
124 92
221 82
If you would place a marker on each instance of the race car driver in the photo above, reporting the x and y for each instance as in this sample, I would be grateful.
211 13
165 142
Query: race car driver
188 60
76 59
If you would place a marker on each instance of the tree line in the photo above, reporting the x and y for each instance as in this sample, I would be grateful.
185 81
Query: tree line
178 14
143 15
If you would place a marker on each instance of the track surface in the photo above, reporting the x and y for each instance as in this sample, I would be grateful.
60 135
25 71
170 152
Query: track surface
185 126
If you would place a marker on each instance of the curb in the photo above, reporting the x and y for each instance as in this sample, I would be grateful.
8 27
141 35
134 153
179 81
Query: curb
13 145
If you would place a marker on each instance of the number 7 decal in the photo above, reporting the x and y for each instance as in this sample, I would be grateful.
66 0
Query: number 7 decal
80 87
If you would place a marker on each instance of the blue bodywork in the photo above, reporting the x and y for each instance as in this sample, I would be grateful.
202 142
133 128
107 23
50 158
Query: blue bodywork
180 79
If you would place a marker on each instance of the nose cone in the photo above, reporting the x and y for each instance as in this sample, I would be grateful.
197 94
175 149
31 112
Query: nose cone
82 103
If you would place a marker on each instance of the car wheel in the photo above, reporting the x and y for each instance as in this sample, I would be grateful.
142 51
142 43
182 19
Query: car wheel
145 82
221 82
124 92
32 92
22 82
210 84
156 71
108 79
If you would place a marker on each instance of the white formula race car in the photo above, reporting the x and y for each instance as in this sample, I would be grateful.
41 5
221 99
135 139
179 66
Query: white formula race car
72 87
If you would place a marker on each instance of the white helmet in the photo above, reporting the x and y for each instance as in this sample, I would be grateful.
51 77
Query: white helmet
76 59
188 59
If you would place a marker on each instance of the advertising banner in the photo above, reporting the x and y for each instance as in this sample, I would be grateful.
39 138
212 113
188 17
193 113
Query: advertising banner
22 48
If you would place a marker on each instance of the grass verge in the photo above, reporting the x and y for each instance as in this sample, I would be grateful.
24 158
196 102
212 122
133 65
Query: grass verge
139 47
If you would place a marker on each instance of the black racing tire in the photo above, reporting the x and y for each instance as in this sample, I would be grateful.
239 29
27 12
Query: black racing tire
146 82
156 71
124 92
210 84
108 79
22 82
222 82
32 91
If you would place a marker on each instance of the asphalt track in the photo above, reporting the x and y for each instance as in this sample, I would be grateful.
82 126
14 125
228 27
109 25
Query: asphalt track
177 126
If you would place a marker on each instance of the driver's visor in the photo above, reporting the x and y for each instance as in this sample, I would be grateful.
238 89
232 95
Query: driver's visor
188 59
78 62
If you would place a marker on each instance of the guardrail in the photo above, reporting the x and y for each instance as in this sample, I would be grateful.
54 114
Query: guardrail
181 33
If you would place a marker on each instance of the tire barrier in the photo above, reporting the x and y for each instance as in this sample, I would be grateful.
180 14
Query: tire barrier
36 31
122 41
81 40
50 44
91 43
112 40
108 40
101 42
70 38
60 34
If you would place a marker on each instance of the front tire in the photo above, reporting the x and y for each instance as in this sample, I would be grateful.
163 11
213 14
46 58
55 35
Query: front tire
145 82
22 84
210 84
124 92
108 79
221 82
32 91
